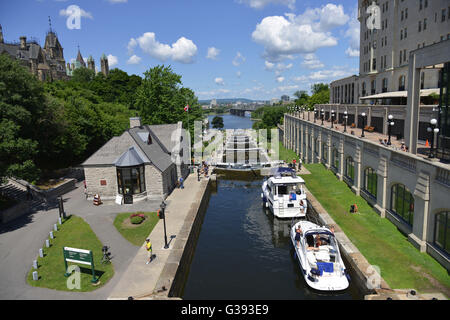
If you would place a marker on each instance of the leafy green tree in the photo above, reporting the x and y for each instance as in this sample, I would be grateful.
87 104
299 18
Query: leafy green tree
83 75
22 104
217 122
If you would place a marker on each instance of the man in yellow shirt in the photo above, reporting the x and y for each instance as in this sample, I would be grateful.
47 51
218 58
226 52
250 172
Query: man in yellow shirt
148 246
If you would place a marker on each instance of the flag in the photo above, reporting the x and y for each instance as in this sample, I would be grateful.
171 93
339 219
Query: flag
186 108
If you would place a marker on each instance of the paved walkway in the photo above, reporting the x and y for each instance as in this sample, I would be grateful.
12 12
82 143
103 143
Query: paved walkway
21 239
141 280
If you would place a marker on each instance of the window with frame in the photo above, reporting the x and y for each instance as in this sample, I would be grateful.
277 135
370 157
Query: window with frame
350 168
370 184
402 203
131 180
442 232
335 159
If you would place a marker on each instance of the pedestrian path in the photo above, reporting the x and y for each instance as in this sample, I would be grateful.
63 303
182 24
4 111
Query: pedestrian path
141 280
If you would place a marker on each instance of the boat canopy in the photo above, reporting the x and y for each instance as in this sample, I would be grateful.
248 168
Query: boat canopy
283 171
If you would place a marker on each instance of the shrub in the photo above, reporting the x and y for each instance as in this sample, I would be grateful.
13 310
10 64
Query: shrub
137 218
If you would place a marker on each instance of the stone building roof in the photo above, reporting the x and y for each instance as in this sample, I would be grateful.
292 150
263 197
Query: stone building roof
156 152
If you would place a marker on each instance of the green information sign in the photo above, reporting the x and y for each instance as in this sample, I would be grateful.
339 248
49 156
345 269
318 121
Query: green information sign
80 256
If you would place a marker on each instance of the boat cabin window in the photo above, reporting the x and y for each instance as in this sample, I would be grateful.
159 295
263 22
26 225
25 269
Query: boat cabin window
289 188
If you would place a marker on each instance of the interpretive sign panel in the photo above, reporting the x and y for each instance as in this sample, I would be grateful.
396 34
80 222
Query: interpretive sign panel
81 256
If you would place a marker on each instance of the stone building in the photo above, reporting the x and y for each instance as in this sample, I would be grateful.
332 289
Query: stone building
384 52
139 163
47 63
90 64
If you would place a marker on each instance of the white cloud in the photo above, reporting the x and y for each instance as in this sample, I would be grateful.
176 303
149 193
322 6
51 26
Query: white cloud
183 50
310 61
219 81
134 59
239 59
212 53
280 79
72 10
112 60
353 34
259 4
131 45
284 36
238 74
118 1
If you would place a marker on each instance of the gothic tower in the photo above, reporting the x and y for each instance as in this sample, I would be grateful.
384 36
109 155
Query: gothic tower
91 63
104 64
1 34
80 59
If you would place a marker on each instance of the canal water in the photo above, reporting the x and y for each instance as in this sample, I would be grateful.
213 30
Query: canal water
243 251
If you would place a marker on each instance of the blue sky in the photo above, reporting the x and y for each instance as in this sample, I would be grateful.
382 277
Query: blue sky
256 49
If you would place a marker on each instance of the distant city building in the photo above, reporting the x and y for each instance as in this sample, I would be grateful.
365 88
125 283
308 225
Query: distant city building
285 98
213 103
274 101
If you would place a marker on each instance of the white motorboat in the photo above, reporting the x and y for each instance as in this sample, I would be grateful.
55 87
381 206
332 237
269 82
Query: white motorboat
284 194
318 254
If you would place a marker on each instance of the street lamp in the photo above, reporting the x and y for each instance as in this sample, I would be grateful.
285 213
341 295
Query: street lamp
364 123
315 115
323 115
162 215
390 125
332 118
345 120
433 130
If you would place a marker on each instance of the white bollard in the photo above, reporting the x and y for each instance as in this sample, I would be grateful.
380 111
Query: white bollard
35 276
55 227
51 234
35 265
47 243
41 253
59 221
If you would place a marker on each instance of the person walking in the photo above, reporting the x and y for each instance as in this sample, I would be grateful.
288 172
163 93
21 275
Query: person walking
148 247
181 183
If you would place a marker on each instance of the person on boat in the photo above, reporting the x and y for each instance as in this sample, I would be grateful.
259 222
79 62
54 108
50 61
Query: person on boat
312 242
298 234
302 206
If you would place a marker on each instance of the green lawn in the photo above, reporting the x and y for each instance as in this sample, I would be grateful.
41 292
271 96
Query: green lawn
136 234
401 264
75 233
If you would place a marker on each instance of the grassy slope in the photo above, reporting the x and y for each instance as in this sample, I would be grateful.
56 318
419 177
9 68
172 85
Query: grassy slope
75 233
136 235
402 265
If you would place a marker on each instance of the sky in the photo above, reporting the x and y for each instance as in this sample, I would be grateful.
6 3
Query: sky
255 49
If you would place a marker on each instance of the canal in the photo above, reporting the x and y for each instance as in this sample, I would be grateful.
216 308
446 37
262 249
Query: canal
243 252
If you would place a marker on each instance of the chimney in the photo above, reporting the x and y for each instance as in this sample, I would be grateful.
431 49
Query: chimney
23 43
135 122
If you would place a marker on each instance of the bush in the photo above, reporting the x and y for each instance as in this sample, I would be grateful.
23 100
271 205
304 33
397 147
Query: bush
137 218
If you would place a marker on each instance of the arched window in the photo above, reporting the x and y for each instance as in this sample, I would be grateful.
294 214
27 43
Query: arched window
442 232
385 85
325 152
401 83
402 203
335 159
350 168
370 182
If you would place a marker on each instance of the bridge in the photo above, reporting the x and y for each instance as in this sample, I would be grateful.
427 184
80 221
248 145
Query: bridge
240 110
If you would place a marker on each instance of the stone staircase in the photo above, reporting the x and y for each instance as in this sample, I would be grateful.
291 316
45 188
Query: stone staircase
17 192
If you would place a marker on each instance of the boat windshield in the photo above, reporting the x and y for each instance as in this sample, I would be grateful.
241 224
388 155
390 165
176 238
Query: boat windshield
291 188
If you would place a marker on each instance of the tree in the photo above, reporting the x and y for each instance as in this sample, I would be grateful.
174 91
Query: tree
302 97
22 104
217 122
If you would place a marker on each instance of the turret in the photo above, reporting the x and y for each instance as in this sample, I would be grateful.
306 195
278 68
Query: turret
1 34
104 65
91 63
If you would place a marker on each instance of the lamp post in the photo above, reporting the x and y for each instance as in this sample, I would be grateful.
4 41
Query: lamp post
332 118
345 121
433 130
162 215
390 125
364 123
315 115
323 115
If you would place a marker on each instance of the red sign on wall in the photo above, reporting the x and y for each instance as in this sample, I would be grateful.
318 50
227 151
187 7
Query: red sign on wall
103 182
